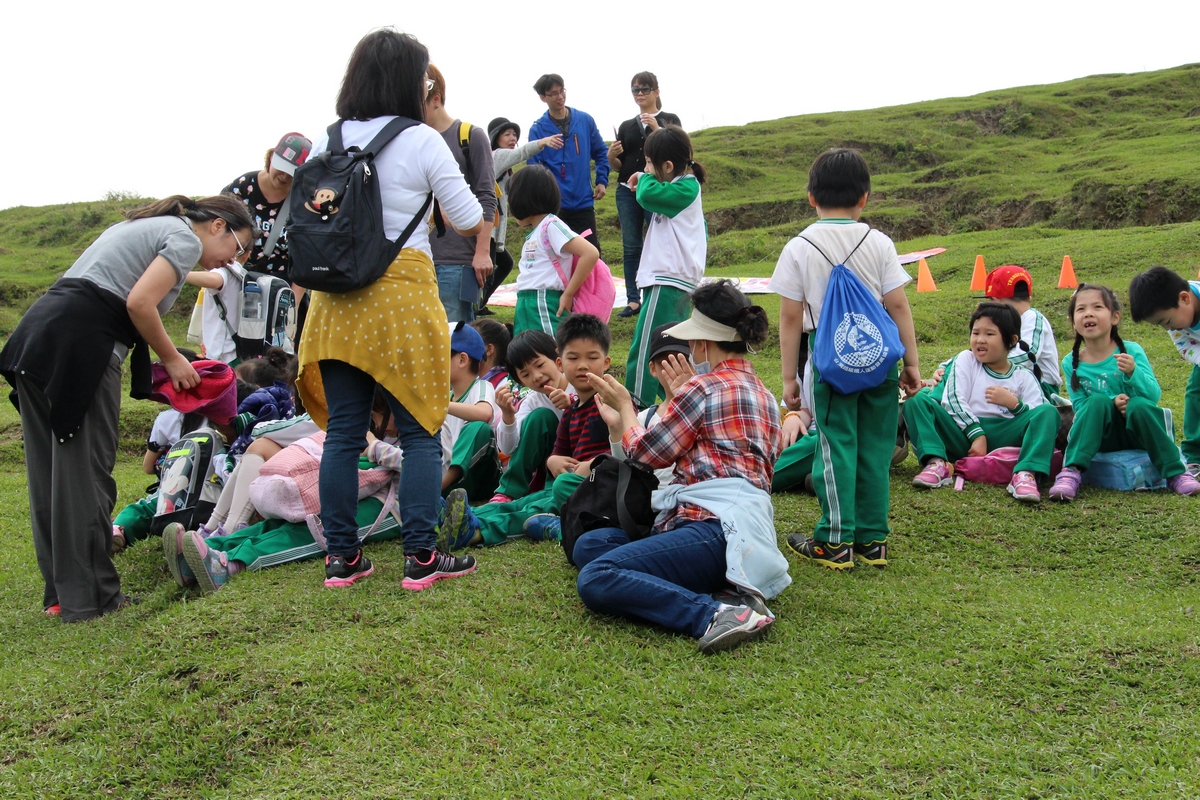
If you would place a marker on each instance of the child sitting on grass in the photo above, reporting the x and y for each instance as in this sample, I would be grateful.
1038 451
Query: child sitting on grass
468 438
988 403
1161 297
1115 397
543 298
583 342
530 410
1013 286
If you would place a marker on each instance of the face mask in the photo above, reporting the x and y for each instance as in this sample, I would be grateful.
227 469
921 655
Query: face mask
702 367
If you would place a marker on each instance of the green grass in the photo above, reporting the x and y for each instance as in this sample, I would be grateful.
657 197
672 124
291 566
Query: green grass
1006 652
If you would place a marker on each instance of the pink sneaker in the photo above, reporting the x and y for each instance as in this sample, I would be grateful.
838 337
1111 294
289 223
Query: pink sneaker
935 475
1066 485
1023 486
500 498
1184 484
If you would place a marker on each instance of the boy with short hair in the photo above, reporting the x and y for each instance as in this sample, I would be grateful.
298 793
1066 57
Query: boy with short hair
1013 286
468 439
583 342
1163 298
857 431
530 409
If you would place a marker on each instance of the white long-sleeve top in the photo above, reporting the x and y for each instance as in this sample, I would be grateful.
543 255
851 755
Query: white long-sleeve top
509 436
967 382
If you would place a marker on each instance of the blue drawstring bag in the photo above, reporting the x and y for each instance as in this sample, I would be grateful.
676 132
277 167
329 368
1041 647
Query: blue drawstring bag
857 343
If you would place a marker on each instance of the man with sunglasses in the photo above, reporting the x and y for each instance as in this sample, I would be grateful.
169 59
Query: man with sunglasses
572 163
627 156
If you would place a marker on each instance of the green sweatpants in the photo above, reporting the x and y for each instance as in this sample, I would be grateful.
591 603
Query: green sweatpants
136 517
500 522
538 431
794 463
856 434
1100 428
1191 419
274 541
536 311
475 453
935 434
660 305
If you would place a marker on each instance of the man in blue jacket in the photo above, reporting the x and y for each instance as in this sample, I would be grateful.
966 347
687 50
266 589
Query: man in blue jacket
571 164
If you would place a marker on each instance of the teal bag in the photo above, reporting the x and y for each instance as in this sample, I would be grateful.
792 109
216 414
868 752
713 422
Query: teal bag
1124 470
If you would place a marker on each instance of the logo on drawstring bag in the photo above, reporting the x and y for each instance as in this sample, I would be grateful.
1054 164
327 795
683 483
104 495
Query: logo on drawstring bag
858 345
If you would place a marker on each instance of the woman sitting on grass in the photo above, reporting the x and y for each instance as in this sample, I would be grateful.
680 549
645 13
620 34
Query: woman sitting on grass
716 527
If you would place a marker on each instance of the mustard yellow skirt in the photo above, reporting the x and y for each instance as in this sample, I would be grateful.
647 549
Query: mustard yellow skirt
395 330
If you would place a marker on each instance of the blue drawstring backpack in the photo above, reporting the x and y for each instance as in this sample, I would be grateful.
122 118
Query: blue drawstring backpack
857 343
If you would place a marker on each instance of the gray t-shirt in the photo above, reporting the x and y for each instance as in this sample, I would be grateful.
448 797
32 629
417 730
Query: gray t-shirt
452 248
122 254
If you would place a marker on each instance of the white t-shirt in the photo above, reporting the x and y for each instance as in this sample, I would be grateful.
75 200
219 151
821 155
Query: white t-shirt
413 164
967 382
166 431
537 266
802 273
218 342
480 391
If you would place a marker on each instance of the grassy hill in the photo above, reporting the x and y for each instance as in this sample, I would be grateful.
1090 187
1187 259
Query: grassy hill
1046 652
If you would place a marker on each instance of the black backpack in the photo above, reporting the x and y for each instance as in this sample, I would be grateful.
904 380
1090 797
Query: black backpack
335 237
615 495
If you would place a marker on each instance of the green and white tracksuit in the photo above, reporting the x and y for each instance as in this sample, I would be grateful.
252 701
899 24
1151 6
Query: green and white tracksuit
671 268
1099 427
528 442
1188 342
1037 333
471 446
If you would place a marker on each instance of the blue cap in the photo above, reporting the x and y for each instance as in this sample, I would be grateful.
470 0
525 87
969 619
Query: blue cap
465 339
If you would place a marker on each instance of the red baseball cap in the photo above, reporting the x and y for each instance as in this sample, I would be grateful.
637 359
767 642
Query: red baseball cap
1005 283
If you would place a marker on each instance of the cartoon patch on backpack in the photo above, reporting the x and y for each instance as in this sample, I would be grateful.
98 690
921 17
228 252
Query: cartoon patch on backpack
858 344
322 203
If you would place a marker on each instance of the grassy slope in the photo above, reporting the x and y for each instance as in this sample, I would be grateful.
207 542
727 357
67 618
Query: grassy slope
1008 651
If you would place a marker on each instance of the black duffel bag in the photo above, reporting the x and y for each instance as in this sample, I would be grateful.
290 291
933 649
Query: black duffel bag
615 495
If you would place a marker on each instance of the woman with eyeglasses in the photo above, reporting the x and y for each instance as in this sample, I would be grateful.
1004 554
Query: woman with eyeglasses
64 363
625 155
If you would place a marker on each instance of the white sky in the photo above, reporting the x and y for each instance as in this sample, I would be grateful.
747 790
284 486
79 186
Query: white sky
161 98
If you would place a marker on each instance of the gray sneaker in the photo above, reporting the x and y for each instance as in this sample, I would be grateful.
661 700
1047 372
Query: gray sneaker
736 596
733 625
1194 471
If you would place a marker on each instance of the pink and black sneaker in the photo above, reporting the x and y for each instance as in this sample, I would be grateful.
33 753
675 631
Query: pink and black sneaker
422 570
343 570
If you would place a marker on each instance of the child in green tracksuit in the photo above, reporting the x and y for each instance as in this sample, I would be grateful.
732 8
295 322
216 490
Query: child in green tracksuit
856 432
988 402
546 280
530 410
676 245
468 438
1165 299
1115 397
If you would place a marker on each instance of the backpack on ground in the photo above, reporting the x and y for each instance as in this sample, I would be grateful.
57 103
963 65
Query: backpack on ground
596 294
997 466
857 343
1123 470
190 483
616 494
336 237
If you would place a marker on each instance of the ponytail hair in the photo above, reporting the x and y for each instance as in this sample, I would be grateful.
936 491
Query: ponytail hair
1113 303
1037 371
206 209
723 302
267 161
671 143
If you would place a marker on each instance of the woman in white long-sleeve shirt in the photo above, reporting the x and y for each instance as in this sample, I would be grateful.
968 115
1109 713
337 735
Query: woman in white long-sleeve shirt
393 333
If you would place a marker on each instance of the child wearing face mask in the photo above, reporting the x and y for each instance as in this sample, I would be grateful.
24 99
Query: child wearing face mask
676 245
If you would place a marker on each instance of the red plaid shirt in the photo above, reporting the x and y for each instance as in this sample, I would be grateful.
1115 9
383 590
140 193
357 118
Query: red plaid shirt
723 424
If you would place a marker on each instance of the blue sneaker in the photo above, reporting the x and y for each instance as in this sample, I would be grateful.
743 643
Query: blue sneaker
458 524
543 528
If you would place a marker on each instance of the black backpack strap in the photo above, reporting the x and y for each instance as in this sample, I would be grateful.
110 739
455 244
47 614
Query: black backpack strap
389 132
412 226
624 516
334 132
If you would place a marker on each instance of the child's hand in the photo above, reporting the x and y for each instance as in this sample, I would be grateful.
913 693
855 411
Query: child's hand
676 371
910 379
371 439
937 376
1121 401
791 393
560 399
1000 396
633 181
1125 363
565 303
554 142
560 464
793 429
978 447
504 399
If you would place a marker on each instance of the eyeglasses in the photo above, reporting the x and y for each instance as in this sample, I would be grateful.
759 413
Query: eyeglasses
428 85
557 93
642 89
242 248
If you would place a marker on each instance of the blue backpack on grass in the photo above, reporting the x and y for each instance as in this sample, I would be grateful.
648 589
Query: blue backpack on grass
857 343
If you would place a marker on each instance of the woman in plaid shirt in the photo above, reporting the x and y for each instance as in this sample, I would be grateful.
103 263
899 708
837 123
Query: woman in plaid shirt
721 430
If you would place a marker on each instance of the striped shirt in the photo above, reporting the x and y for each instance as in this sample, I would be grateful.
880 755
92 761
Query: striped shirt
723 424
582 432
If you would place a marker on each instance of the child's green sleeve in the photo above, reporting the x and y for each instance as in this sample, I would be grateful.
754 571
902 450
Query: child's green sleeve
666 198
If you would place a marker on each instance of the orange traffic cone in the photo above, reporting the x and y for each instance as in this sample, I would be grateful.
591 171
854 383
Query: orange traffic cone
979 276
924 278
1066 278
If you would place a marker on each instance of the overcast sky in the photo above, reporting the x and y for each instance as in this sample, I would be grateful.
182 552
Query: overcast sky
162 98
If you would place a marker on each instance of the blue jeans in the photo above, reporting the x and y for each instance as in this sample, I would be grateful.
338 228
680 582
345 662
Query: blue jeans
633 226
665 579
458 290
349 394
